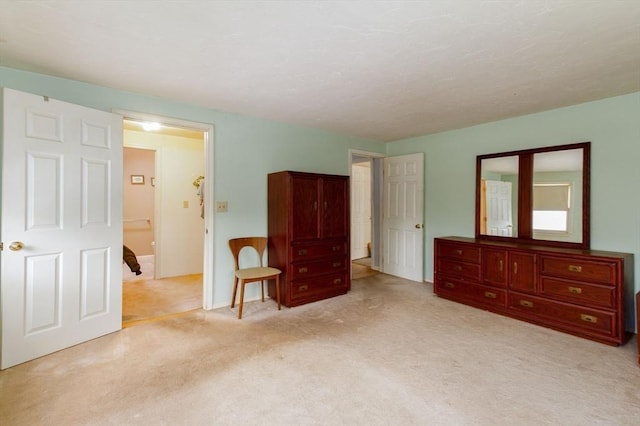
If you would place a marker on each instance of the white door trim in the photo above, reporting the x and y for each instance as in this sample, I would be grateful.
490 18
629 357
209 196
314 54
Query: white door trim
209 240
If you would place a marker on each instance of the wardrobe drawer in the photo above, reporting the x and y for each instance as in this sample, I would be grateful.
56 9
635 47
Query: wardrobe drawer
459 251
311 288
556 313
578 269
579 292
459 269
311 250
311 269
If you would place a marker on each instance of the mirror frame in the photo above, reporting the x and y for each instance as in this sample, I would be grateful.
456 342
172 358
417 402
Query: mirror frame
525 196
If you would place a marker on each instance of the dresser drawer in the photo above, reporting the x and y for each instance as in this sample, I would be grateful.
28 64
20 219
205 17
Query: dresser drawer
459 269
466 291
578 269
579 292
556 313
460 252
304 269
315 250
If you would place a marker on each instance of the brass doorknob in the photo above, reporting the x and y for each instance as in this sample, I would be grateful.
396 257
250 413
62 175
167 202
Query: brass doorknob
16 245
419 225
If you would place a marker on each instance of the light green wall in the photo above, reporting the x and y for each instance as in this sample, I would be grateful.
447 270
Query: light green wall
245 150
613 127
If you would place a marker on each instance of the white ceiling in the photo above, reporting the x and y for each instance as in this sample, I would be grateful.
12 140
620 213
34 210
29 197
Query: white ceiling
383 70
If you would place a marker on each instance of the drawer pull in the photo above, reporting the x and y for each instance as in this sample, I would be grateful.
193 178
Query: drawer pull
303 288
336 248
337 281
489 294
449 285
302 252
575 290
575 268
588 318
526 303
303 270
459 252
337 264
457 268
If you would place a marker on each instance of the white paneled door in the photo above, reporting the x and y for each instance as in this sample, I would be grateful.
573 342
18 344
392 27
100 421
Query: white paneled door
61 273
402 222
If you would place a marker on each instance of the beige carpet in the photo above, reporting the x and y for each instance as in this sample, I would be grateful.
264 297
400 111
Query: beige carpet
387 353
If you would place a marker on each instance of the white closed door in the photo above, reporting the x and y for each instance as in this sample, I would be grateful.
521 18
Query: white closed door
402 222
61 273
499 216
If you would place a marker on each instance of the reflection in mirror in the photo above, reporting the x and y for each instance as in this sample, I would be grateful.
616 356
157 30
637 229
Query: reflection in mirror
539 194
499 201
557 195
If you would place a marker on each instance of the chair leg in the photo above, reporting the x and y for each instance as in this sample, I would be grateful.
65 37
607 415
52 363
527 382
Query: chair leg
262 290
235 289
278 290
241 298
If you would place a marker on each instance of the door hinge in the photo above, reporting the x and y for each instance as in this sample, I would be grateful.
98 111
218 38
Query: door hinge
1 246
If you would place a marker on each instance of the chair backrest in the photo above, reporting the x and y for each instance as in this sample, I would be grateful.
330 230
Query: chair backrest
237 244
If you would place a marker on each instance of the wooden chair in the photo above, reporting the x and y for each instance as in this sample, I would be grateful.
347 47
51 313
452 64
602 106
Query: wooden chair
248 275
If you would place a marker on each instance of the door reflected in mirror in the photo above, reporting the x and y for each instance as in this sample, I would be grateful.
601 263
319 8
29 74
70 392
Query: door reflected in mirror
499 203
539 194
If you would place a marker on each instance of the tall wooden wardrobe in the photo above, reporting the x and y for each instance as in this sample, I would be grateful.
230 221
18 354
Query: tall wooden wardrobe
309 235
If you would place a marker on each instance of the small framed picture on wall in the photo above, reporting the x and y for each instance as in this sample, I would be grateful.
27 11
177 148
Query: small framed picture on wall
137 179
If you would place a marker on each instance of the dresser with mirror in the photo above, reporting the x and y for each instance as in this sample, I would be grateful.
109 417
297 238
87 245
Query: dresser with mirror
531 258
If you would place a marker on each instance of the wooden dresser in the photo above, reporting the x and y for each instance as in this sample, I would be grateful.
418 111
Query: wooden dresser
308 223
581 292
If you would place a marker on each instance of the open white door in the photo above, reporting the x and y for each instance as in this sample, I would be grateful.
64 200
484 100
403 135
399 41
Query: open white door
61 273
402 222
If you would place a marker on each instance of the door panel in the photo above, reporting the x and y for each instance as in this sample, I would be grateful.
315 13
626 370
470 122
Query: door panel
61 197
335 205
305 215
403 216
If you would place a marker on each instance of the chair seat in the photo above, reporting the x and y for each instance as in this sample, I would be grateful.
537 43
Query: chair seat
257 272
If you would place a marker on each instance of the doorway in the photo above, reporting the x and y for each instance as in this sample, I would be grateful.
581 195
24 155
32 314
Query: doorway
366 186
163 220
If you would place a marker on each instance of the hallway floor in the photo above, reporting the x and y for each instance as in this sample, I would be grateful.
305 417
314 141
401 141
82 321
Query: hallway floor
145 299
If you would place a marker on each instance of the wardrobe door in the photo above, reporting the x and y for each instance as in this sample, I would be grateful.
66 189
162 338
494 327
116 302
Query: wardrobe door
304 207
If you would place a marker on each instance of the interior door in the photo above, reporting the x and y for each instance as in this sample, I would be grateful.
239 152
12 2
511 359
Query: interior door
402 221
61 273
498 204
360 210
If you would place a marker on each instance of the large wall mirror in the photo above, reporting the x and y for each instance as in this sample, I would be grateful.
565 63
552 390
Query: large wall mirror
536 196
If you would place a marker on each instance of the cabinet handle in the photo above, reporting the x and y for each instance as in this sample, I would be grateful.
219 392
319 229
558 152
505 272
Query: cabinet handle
457 268
459 252
515 268
303 270
575 290
303 288
302 252
526 303
575 268
336 248
315 206
500 265
325 205
337 264
449 285
489 295
337 281
588 318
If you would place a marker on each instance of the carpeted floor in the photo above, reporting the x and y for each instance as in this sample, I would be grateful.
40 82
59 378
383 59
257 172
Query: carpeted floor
387 353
